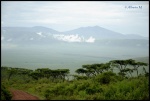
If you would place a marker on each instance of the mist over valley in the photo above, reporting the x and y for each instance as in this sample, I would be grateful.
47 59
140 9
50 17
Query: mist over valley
42 47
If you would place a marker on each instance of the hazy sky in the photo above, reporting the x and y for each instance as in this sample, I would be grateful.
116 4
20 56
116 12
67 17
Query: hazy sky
126 17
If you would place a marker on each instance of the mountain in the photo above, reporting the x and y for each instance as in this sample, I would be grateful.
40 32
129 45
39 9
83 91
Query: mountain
39 35
30 29
44 29
27 34
101 33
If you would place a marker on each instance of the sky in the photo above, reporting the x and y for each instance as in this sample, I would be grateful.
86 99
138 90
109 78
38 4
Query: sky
126 17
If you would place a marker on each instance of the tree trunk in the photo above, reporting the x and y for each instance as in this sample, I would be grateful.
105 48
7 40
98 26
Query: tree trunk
137 73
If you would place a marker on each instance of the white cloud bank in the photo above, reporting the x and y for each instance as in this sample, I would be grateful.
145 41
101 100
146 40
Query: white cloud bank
91 40
73 38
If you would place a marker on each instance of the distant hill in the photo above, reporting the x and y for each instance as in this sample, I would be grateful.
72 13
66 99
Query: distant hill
102 33
39 34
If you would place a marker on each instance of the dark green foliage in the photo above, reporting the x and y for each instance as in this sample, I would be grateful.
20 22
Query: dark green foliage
106 78
11 72
93 89
93 82
77 77
35 75
5 93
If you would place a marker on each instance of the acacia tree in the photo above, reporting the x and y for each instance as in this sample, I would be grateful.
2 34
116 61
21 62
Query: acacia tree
126 71
136 65
93 69
54 74
59 74
106 66
12 71
80 71
41 72
62 73
23 71
97 68
35 75
89 70
120 64
146 73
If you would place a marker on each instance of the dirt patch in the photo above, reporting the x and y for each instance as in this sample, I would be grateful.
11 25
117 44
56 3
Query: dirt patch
21 95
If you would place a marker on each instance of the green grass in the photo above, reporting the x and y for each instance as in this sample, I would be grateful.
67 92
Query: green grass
90 89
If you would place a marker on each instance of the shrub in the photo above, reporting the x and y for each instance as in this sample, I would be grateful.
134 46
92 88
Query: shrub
94 89
5 93
106 77
83 85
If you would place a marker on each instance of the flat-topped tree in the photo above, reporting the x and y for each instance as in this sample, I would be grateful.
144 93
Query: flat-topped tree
127 70
86 66
35 75
59 74
97 68
80 71
94 69
120 64
146 73
12 71
106 66
63 73
54 74
45 72
136 65
23 71
89 70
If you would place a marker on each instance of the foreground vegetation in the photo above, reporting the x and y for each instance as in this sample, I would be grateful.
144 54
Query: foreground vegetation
92 82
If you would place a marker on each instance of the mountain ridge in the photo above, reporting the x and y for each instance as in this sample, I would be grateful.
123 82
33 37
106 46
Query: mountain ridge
96 28
44 34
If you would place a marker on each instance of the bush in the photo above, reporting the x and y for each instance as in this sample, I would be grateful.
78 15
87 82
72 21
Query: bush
5 93
83 85
94 89
106 77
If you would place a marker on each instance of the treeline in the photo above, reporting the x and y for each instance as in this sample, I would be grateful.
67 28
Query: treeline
39 73
121 65
92 81
86 71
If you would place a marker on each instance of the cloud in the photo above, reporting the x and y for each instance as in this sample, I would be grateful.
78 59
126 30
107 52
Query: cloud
68 38
40 34
73 38
66 15
90 40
